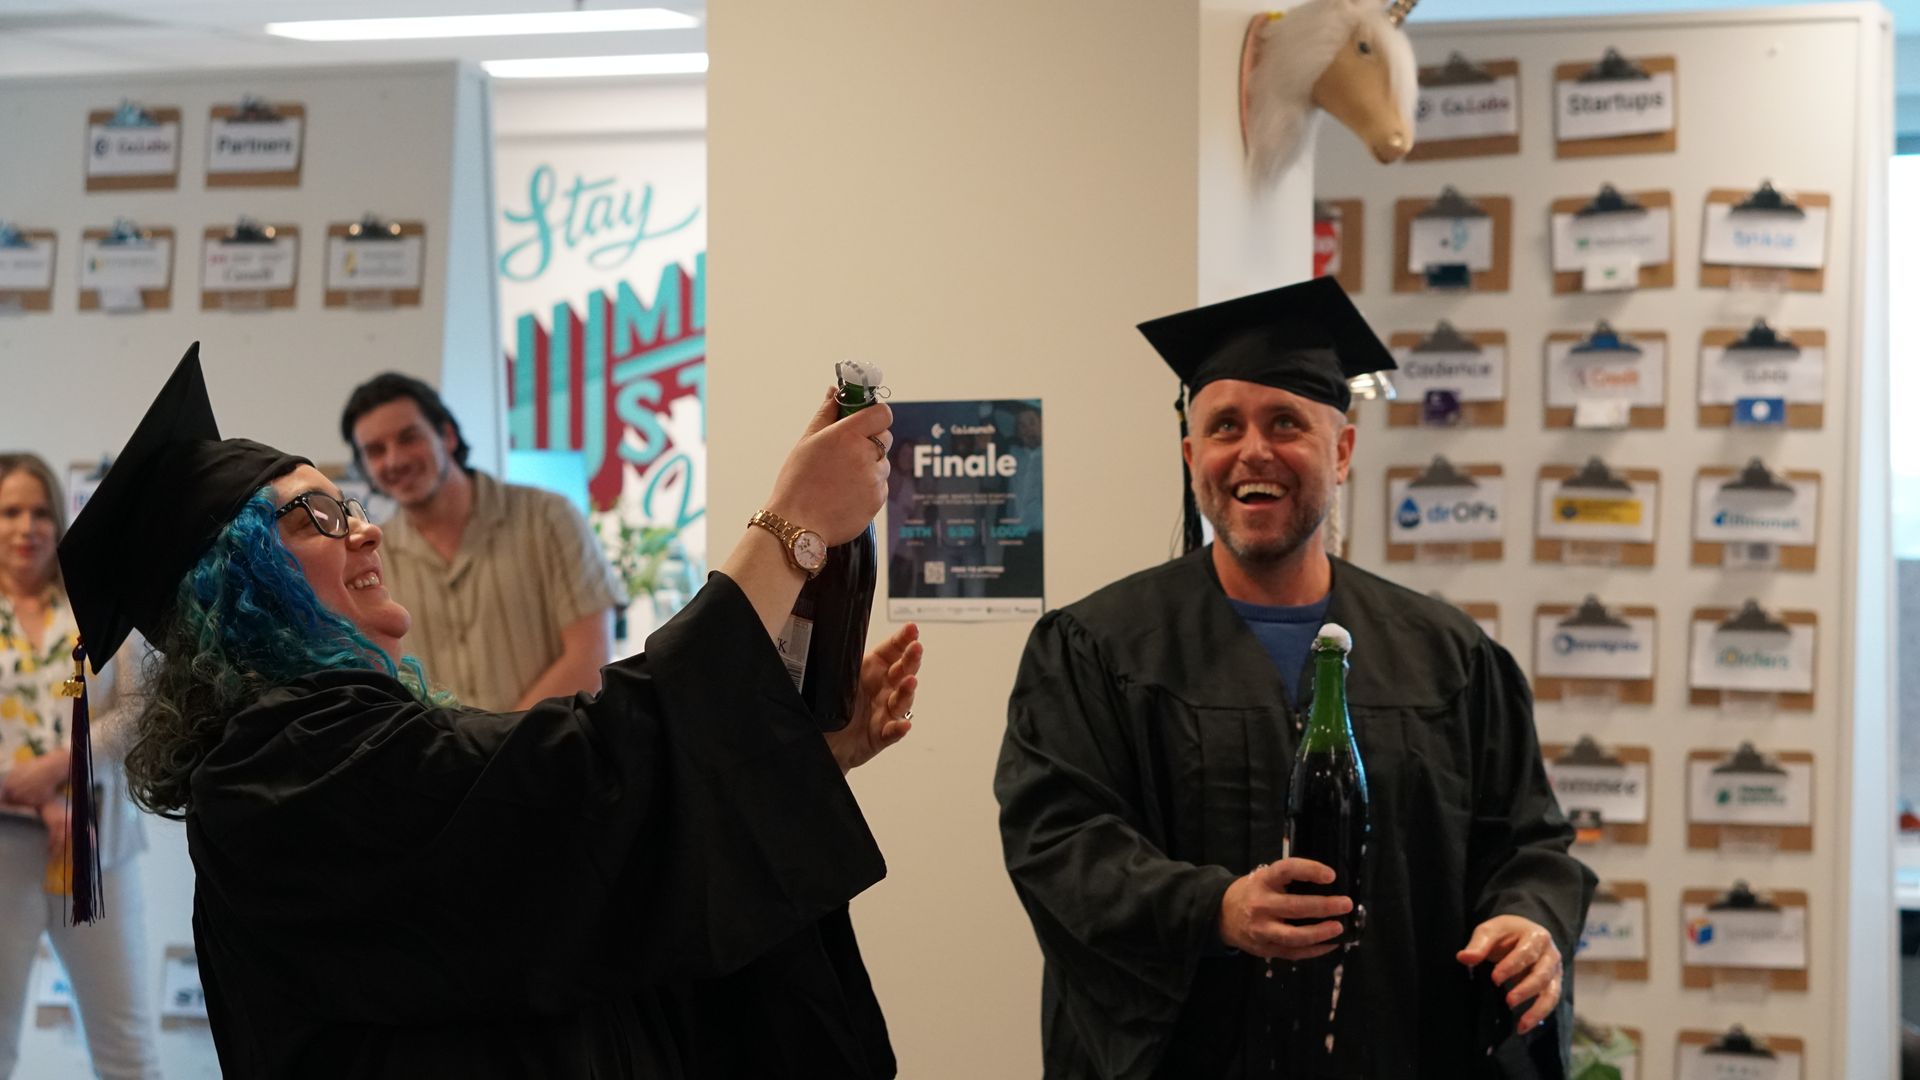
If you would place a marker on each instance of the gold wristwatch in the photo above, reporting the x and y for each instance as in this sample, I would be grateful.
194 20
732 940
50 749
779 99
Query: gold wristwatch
806 550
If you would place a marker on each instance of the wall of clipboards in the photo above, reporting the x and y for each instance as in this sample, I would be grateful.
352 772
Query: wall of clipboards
1623 273
310 215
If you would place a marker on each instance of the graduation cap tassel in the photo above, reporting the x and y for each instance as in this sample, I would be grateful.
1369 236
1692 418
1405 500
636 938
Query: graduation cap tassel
1190 535
83 848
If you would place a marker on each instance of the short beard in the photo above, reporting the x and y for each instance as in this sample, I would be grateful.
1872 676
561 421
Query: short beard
1302 526
439 481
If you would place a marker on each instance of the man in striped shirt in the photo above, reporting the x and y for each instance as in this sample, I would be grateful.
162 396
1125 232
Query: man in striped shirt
511 595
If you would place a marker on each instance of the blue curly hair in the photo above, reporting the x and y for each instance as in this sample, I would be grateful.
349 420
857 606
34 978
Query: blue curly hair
245 620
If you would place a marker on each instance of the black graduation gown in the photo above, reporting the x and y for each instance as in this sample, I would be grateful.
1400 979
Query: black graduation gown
651 882
1145 766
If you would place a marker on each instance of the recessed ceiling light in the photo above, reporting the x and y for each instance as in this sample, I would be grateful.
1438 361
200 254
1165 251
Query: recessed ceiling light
454 26
574 67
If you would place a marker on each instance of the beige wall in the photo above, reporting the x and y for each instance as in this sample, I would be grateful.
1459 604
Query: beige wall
983 199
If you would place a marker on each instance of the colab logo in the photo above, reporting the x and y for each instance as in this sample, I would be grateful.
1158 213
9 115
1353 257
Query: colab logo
1567 644
1700 931
1408 516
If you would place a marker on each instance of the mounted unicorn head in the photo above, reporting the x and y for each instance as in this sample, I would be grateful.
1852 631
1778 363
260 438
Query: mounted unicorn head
1349 57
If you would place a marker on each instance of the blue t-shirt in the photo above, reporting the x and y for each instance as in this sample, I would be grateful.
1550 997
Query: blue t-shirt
1286 633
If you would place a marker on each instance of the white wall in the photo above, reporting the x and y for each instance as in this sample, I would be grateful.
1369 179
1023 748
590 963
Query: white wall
983 199
985 202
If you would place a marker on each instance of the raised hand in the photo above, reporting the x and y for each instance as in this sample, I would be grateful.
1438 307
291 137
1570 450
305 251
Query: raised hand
889 678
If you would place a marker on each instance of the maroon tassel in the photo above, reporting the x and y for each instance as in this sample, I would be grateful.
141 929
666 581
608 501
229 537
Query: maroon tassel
83 822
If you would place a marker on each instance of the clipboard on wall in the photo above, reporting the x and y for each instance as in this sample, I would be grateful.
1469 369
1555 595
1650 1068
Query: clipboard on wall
1472 413
381 233
1800 557
1805 416
26 298
1615 832
182 1000
158 299
143 181
1659 142
1708 835
1739 1044
261 112
212 299
1346 219
1624 970
1630 691
1476 550
1629 552
1639 417
1458 71
1710 698
1702 976
1721 275
1499 212
1653 276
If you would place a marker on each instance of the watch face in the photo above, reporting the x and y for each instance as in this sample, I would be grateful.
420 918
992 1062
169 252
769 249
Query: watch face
810 551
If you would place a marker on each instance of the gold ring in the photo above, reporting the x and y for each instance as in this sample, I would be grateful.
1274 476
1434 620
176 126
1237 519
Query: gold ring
878 445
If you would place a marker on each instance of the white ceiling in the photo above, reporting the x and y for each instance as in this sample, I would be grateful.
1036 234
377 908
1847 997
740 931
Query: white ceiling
48 37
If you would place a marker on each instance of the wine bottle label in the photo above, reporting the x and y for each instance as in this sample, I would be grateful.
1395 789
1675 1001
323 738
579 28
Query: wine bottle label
795 639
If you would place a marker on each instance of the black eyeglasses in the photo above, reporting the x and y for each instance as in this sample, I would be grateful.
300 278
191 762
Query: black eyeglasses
333 517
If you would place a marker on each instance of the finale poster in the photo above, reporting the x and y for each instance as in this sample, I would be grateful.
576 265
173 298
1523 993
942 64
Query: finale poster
965 515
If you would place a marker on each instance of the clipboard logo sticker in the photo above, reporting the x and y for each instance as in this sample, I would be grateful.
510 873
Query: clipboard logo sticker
1326 247
1729 517
1604 376
1445 504
1747 793
1752 658
1591 510
1597 642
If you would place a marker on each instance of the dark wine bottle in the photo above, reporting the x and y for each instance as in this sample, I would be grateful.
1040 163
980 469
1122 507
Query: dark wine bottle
838 600
1328 822
1327 813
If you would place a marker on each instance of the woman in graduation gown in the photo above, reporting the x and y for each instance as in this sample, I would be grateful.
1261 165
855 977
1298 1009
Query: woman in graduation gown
650 882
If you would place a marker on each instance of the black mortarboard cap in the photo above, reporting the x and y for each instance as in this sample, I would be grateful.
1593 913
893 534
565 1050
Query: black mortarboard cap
1307 339
170 491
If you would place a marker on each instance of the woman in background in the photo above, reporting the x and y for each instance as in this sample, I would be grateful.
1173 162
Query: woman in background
104 962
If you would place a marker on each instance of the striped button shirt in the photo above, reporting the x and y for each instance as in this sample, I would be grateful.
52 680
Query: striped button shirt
488 622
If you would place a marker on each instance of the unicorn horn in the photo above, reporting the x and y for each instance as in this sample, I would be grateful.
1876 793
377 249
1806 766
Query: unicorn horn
1397 11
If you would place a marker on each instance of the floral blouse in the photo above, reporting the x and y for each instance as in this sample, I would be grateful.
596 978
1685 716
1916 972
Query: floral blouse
34 718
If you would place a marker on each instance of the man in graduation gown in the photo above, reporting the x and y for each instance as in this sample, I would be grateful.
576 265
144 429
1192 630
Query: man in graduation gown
1150 738
651 882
